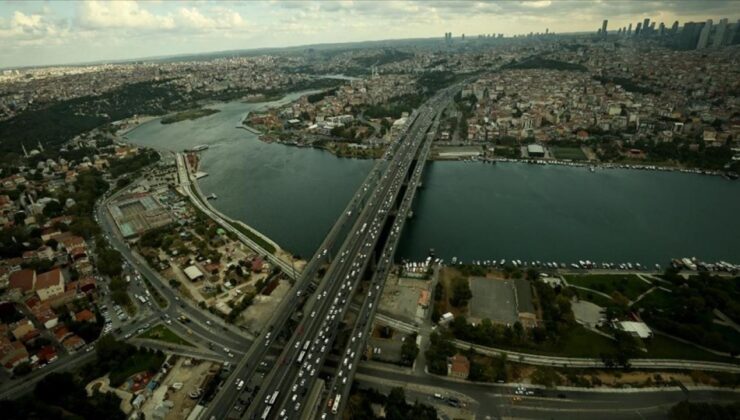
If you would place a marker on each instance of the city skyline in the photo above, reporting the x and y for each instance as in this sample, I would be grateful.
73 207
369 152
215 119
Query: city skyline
47 33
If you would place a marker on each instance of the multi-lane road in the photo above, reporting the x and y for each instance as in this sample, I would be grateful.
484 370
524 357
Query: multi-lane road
284 391
233 396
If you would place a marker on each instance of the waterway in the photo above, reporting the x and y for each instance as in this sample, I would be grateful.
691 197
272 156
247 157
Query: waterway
293 195
467 210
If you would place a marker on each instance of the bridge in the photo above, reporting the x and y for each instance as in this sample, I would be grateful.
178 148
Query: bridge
360 246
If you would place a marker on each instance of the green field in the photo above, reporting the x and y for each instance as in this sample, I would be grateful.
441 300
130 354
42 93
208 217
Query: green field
572 153
578 342
162 333
662 347
628 285
658 299
593 298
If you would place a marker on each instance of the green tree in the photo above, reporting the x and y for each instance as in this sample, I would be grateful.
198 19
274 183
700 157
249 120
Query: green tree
461 292
409 350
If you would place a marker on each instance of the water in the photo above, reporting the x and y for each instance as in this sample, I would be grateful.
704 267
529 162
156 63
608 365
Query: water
565 214
467 210
293 195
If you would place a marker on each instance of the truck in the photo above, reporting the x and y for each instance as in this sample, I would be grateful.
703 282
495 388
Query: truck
446 317
335 406
142 299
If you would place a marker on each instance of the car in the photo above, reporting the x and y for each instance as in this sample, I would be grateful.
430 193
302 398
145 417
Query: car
297 406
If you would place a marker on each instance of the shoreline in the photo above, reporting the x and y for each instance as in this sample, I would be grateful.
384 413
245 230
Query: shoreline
529 161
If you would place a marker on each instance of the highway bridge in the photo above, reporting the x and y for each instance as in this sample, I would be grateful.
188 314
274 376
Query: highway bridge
232 399
381 207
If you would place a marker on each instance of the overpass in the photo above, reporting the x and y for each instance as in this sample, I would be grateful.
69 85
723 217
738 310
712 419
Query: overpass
366 253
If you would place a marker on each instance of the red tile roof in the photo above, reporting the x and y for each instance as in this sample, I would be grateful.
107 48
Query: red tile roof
49 279
23 279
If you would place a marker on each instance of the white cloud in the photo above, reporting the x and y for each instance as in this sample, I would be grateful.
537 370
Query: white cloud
121 14
537 4
221 18
25 29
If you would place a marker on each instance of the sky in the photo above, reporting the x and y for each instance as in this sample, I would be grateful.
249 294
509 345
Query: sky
62 32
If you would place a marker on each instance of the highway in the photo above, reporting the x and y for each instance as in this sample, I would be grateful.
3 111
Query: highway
231 399
284 389
341 380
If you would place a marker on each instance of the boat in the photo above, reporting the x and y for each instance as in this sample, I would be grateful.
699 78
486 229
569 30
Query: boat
199 148
213 196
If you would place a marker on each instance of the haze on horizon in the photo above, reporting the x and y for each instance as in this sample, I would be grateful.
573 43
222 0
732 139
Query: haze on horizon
34 33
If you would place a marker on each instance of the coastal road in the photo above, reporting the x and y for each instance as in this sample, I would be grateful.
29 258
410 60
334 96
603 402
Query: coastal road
499 401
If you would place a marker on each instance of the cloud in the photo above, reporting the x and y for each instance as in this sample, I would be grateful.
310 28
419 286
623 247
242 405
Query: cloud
97 15
221 18
24 29
129 15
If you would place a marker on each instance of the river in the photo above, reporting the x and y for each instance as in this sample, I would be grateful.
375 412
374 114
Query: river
468 210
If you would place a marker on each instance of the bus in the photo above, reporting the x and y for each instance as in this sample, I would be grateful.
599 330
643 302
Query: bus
335 407
266 413
300 357
274 397
306 344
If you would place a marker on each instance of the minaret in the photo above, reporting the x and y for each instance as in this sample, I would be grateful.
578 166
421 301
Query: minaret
25 153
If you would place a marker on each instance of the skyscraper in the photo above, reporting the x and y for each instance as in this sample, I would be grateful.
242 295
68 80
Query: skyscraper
637 28
719 33
629 29
645 27
674 28
603 28
661 29
704 35
689 36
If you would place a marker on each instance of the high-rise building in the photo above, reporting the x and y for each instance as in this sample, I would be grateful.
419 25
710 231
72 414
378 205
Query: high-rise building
638 28
629 29
603 27
661 29
674 28
732 33
689 35
720 33
645 27
704 35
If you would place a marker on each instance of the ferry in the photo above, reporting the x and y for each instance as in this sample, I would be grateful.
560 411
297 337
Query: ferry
199 148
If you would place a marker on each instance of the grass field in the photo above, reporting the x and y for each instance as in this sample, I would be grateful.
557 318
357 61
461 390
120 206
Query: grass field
572 153
628 285
593 298
162 333
578 342
662 347
656 299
